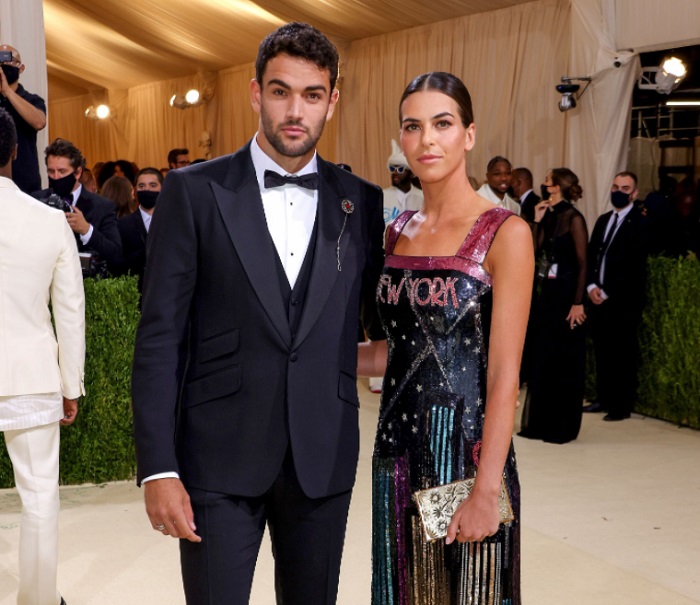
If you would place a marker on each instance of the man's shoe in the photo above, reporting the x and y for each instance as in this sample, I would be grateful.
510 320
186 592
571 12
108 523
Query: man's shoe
595 407
615 417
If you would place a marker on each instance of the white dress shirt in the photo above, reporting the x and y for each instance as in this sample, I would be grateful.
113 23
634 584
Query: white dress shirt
290 211
507 202
146 218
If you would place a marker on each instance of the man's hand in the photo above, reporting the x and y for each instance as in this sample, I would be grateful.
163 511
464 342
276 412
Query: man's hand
76 221
4 86
168 507
70 411
595 296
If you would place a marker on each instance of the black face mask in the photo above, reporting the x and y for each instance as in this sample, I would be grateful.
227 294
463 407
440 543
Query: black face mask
11 73
619 199
64 186
544 193
147 199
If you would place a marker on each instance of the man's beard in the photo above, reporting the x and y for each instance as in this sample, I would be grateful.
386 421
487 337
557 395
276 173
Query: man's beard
290 149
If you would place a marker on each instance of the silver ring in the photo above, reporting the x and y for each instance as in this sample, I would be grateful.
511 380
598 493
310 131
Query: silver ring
159 527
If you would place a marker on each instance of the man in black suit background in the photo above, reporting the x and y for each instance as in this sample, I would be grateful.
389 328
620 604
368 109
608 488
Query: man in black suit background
93 218
133 228
244 382
617 257
521 182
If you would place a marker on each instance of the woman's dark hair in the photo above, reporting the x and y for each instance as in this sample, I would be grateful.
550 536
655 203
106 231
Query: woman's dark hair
119 190
298 40
8 137
447 84
568 184
109 168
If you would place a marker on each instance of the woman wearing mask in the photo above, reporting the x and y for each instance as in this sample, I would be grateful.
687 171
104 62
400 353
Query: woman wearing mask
554 402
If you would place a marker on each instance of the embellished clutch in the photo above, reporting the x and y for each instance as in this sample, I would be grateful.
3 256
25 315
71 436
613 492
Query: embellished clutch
437 505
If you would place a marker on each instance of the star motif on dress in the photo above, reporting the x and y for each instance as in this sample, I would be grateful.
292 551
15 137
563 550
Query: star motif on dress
467 341
393 382
403 337
468 410
442 384
414 430
476 349
383 436
416 324
479 401
419 388
413 342
464 368
393 323
388 426
404 417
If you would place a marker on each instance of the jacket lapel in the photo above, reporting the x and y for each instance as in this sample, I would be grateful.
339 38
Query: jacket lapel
241 209
324 272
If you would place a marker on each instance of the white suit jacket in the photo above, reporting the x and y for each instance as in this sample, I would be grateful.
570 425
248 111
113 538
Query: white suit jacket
507 202
39 261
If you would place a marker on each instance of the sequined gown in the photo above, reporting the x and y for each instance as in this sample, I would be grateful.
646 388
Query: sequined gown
436 313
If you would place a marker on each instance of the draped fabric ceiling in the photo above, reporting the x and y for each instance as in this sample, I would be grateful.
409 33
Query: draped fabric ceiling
134 54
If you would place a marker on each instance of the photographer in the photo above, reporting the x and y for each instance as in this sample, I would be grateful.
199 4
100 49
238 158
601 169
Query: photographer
92 218
28 111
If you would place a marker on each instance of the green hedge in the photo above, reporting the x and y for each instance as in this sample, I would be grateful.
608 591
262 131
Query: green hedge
98 447
669 374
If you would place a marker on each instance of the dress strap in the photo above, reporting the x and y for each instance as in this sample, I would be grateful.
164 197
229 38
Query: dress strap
479 240
396 228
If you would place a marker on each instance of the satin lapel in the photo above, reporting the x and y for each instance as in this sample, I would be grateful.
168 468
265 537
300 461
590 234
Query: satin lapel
324 272
241 208
141 227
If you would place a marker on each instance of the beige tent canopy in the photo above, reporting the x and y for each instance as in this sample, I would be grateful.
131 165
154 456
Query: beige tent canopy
135 54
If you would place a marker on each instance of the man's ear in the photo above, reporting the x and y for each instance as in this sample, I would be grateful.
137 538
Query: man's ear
14 153
255 92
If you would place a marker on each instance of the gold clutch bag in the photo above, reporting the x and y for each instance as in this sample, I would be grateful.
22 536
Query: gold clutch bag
437 505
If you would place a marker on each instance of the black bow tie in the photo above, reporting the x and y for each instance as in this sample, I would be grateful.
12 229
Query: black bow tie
308 181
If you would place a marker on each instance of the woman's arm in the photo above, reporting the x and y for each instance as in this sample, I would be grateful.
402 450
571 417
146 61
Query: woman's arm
371 358
579 235
511 263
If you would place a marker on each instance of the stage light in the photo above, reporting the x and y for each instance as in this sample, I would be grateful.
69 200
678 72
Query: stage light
664 79
101 112
568 91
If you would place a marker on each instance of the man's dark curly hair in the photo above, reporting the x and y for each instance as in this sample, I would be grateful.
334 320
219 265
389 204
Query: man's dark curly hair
8 137
298 40
65 149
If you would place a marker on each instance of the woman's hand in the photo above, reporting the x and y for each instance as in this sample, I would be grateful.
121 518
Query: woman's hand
540 209
475 519
576 316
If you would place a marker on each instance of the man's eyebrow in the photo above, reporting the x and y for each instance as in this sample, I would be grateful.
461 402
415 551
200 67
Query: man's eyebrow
286 86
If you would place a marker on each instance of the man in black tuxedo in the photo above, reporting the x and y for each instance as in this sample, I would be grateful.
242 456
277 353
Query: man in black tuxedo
521 182
133 228
244 381
93 218
617 257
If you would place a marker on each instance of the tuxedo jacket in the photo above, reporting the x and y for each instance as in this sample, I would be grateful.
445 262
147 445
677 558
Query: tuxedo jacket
101 213
132 233
222 386
625 263
527 206
38 263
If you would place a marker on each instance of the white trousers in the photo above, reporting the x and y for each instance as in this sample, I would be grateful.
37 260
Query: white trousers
34 455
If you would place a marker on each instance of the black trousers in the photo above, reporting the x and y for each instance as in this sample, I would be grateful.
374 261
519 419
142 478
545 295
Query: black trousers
307 542
615 341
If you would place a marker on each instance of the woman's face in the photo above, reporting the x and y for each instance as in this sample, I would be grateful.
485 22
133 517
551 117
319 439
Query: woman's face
432 136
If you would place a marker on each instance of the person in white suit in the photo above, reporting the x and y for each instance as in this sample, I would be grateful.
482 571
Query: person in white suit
41 368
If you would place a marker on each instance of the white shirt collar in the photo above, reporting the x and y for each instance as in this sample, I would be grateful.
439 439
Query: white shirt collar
263 162
76 194
621 214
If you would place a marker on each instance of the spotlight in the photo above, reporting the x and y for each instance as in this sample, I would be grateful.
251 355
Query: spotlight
191 98
664 79
101 112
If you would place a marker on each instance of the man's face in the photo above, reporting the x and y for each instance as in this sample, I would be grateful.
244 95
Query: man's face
400 175
148 182
181 161
58 167
518 184
626 185
13 67
498 177
294 102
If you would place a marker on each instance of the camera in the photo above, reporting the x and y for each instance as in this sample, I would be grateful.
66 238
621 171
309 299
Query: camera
54 201
6 56
568 88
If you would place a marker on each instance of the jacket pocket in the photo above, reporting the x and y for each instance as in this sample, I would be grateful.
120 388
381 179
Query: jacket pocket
347 388
219 345
212 386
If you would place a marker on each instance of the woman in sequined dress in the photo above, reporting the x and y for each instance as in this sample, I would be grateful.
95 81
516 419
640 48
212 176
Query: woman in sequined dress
554 402
454 298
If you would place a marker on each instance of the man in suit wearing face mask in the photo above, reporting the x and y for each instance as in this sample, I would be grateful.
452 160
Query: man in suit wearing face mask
617 255
93 218
29 114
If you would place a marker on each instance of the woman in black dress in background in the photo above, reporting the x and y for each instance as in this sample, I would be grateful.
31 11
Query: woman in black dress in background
554 401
